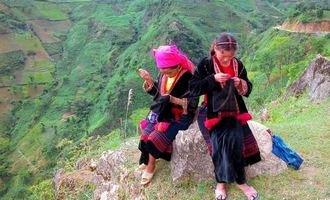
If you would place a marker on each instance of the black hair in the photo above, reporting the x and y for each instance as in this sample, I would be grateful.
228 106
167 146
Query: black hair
225 41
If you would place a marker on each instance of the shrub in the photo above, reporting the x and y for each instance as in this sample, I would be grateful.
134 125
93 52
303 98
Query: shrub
11 61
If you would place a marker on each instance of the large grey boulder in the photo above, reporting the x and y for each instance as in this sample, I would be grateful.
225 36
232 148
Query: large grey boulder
190 156
191 159
315 79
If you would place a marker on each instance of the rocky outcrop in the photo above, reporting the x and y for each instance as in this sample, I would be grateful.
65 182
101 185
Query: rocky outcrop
115 176
315 80
111 178
71 182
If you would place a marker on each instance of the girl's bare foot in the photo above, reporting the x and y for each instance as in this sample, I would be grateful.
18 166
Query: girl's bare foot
150 168
220 192
249 191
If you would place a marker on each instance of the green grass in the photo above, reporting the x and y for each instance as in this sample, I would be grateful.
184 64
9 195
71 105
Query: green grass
305 126
43 65
50 11
28 150
326 15
28 41
37 77
68 1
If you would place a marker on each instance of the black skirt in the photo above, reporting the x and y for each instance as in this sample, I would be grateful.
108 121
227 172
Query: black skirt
227 148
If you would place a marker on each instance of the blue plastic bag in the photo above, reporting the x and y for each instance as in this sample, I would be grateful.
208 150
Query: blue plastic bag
281 150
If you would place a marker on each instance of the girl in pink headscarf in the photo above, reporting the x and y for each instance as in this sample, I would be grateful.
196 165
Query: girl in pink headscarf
172 110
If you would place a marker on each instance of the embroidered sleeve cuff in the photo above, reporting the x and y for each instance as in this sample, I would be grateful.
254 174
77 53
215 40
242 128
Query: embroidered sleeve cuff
242 88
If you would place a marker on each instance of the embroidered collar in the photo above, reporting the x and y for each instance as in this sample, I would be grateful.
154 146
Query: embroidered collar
164 80
217 68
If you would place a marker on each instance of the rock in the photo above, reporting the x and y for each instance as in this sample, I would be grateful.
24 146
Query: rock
82 163
109 164
65 183
56 181
93 165
315 79
264 138
272 165
191 159
269 164
190 156
113 177
108 191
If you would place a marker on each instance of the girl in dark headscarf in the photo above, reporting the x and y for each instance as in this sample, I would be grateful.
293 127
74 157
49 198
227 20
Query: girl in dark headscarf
222 78
172 110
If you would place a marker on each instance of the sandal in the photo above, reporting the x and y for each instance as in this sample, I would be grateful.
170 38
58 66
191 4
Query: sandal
146 177
219 195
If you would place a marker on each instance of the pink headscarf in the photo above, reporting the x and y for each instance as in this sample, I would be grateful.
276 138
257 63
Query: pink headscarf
170 56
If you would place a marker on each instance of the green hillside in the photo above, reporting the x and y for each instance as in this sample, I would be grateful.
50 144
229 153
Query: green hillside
310 11
93 51
277 58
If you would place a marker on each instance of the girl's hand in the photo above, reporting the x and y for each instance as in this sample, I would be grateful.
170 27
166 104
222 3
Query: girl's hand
146 76
237 81
221 77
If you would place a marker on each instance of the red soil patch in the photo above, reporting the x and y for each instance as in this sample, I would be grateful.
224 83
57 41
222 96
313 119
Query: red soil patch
67 115
3 7
5 99
5 95
40 55
18 76
8 43
4 108
34 92
45 29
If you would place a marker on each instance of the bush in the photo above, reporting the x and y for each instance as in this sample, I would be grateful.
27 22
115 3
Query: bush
11 61
53 48
43 190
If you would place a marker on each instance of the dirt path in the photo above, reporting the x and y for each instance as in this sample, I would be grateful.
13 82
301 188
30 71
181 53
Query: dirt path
291 31
318 28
